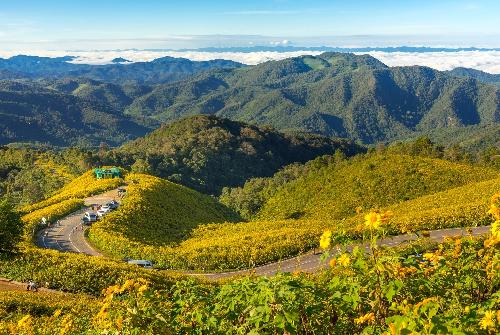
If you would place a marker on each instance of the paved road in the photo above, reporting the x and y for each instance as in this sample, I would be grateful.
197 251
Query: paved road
69 235
311 262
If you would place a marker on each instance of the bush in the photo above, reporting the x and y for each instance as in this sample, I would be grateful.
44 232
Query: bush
11 227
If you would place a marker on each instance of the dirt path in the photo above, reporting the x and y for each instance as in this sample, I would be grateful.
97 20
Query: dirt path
10 285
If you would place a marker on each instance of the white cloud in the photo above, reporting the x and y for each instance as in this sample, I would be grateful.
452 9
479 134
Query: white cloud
488 61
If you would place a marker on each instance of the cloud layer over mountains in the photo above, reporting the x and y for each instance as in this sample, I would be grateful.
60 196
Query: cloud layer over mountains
488 61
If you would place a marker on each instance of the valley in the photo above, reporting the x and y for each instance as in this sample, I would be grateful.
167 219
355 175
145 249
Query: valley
327 194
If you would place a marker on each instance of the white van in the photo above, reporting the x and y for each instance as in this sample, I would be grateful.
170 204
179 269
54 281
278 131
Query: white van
141 262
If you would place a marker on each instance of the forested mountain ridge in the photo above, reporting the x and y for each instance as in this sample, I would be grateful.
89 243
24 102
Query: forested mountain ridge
32 113
335 94
485 77
208 153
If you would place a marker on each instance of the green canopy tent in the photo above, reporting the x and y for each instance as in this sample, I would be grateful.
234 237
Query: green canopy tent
109 173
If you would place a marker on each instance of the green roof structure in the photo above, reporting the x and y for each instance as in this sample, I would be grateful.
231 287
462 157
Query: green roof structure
107 173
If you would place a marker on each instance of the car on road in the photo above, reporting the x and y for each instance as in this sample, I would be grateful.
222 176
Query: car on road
86 221
101 213
141 262
90 217
105 208
113 204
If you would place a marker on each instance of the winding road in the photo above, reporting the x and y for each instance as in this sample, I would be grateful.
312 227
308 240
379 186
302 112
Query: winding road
69 234
70 237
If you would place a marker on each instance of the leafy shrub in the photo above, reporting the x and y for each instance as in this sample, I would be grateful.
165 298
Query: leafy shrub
451 289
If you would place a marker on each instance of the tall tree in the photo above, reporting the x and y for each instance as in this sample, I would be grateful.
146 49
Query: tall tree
11 227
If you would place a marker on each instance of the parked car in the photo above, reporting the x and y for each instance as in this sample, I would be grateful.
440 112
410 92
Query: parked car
90 217
101 213
113 204
105 208
141 262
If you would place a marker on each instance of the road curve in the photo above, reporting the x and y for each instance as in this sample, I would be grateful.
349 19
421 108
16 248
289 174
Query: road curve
311 262
69 237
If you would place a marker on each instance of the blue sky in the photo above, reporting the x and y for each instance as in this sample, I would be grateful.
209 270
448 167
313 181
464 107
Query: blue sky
179 24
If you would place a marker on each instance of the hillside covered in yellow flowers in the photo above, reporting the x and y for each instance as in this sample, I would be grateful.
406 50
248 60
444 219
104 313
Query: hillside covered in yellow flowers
332 204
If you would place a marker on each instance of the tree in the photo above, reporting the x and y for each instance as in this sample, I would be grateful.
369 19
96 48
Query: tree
11 227
141 166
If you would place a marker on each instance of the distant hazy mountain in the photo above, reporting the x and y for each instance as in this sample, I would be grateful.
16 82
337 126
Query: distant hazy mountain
484 77
288 48
335 94
161 70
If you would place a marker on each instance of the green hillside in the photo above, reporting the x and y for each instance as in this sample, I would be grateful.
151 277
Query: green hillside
208 153
31 112
333 190
158 212
333 94
179 228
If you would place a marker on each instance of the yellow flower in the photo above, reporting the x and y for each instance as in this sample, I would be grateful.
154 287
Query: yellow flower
142 289
495 229
367 318
119 323
325 239
333 262
432 257
373 220
495 206
344 260
128 284
57 313
66 325
24 321
487 321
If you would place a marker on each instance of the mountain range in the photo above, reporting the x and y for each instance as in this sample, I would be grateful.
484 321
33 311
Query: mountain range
334 94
